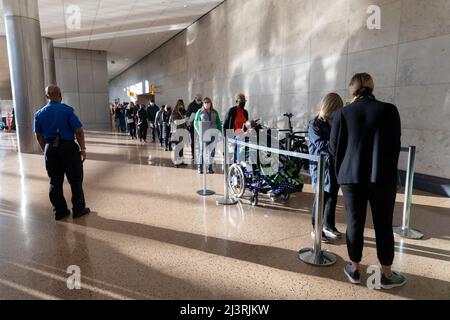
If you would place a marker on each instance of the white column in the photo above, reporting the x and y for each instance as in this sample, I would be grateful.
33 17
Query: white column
23 34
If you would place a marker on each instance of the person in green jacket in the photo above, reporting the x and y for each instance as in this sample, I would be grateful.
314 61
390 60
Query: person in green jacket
211 117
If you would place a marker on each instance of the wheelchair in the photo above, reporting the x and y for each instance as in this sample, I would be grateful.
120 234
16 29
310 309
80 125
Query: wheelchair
258 178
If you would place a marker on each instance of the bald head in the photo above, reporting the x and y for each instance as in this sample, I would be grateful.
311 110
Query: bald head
53 93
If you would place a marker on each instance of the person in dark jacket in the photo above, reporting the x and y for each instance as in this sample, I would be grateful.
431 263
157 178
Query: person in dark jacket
366 141
159 125
130 117
192 110
235 119
118 116
142 116
152 110
178 122
165 118
319 142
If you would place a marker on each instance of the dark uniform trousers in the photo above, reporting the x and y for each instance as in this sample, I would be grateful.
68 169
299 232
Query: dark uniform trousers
382 202
60 161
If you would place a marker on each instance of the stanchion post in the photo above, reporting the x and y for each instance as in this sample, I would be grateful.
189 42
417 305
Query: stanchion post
318 225
405 231
204 192
316 256
226 200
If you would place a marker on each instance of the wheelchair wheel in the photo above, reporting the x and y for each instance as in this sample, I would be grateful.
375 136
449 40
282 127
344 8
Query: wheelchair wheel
272 197
254 199
236 181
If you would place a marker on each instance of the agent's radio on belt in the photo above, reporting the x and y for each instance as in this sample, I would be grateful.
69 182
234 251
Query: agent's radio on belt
57 139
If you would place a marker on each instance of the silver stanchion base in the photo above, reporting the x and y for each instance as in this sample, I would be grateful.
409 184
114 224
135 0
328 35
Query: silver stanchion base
408 233
226 201
323 259
206 193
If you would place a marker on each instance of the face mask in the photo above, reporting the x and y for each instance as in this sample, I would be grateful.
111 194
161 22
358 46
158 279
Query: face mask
242 104
198 101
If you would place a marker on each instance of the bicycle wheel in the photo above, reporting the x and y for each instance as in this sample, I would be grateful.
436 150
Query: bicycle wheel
301 146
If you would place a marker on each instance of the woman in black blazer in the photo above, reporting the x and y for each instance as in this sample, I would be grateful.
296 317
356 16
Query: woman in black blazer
365 141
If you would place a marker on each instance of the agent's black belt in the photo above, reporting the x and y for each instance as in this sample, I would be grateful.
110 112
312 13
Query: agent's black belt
50 141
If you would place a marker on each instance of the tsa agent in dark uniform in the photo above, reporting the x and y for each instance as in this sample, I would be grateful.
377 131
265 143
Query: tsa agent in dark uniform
319 142
365 140
56 127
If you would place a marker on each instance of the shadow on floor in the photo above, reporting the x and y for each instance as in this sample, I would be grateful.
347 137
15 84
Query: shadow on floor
279 258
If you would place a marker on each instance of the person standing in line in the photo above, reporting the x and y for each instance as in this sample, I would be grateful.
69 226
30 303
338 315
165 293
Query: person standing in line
152 111
178 122
118 115
165 117
235 119
159 124
130 116
191 112
56 127
365 141
319 130
207 114
142 123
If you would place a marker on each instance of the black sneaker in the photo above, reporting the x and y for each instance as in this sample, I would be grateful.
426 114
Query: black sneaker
62 217
82 213
200 170
324 237
394 281
210 170
353 276
332 233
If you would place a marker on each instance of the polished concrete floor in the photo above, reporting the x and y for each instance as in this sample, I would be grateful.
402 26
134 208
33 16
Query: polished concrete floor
151 237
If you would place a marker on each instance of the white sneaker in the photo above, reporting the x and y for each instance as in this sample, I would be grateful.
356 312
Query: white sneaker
332 234
324 237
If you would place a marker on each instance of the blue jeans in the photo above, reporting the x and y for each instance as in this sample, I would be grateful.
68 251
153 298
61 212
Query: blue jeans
211 154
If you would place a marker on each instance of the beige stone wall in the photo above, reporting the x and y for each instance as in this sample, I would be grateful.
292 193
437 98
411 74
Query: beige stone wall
83 78
286 54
